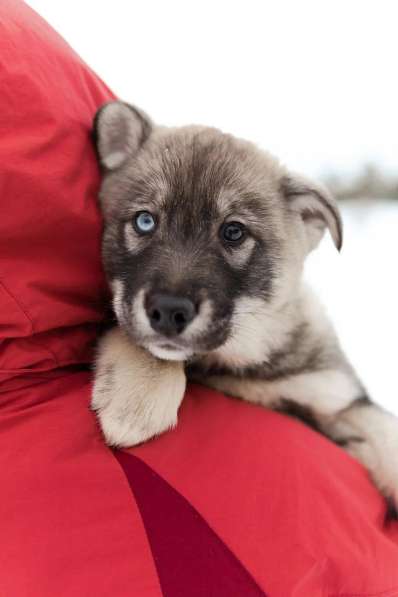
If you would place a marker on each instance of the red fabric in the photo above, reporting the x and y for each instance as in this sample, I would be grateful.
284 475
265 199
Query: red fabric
296 512
300 513
190 558
50 225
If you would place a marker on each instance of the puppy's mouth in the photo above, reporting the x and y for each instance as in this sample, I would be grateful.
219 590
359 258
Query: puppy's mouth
169 351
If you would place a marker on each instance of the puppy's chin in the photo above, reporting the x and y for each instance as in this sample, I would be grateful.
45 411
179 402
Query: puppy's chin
166 353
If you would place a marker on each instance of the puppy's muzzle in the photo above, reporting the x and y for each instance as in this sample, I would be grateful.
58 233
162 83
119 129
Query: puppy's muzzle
169 315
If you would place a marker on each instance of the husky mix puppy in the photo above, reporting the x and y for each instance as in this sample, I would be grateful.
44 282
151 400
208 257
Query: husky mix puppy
205 239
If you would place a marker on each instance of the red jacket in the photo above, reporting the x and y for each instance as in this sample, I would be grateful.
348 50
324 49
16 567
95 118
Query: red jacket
237 501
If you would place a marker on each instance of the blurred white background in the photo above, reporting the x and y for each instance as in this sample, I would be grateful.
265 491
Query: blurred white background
313 82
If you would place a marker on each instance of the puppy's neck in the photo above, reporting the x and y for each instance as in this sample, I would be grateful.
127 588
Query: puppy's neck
263 332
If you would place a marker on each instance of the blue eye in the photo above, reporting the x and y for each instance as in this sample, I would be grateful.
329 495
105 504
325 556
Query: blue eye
144 222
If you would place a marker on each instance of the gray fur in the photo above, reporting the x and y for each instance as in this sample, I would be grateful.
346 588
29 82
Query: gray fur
259 333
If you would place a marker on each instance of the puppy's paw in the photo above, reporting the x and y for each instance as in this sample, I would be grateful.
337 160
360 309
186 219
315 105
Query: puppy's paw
382 466
135 395
372 438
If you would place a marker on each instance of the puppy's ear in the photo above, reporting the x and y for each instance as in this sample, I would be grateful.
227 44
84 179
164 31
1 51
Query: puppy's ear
316 206
119 131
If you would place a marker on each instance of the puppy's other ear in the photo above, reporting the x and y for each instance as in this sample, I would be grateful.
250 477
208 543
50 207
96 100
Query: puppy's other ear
119 131
316 206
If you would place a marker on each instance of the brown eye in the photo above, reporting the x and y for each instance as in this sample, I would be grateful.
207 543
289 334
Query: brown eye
233 233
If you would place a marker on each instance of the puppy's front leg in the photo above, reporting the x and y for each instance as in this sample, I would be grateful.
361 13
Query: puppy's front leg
135 395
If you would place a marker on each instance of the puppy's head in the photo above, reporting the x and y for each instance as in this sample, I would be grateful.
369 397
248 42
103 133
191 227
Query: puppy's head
203 232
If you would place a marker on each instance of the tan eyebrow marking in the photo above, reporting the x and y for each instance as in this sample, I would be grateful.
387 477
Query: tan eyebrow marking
240 256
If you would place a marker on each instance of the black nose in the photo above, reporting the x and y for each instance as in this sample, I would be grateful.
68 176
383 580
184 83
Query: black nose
169 315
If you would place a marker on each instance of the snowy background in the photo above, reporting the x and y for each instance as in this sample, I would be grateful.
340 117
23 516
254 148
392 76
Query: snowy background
313 82
359 287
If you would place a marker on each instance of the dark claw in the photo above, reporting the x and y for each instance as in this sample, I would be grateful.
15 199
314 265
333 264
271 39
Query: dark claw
392 511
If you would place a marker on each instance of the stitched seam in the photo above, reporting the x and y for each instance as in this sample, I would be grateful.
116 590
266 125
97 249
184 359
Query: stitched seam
17 302
30 320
